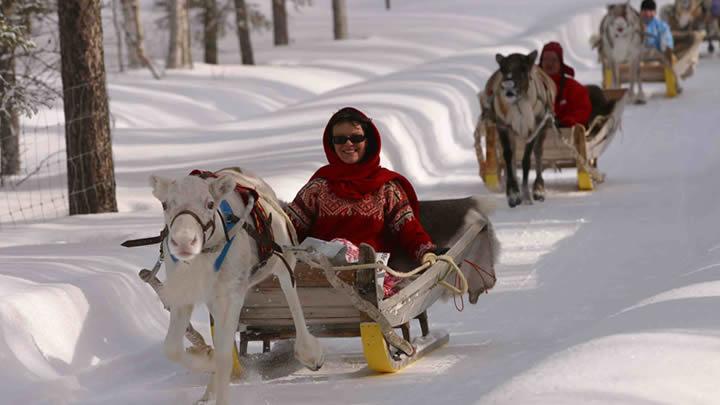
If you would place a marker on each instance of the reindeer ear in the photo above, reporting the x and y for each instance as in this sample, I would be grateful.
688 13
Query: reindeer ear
161 187
499 58
531 57
221 186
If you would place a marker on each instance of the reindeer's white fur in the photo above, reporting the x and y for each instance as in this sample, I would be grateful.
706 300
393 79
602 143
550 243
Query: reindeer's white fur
521 117
683 14
621 41
193 279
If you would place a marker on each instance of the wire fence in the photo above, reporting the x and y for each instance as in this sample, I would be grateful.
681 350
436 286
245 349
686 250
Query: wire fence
36 188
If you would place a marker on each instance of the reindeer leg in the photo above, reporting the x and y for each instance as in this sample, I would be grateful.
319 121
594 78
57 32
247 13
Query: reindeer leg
631 90
709 28
192 358
640 99
539 185
307 347
527 153
210 391
617 83
227 313
511 187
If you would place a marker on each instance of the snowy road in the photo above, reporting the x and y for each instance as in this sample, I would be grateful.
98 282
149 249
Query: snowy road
608 297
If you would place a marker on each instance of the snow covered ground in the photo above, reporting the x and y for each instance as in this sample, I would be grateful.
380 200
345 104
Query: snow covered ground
608 297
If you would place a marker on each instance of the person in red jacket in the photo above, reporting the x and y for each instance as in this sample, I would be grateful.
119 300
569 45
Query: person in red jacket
572 103
354 198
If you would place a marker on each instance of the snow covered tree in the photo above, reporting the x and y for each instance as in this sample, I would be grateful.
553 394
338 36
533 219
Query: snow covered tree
242 25
247 18
179 54
134 33
211 26
17 95
280 19
280 22
91 178
340 25
11 36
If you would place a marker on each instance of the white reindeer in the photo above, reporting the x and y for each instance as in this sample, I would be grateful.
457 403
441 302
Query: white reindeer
683 15
198 270
621 41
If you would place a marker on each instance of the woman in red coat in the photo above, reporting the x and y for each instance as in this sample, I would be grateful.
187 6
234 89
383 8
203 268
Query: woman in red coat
356 199
572 104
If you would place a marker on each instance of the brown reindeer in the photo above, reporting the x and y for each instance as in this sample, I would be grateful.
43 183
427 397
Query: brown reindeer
519 99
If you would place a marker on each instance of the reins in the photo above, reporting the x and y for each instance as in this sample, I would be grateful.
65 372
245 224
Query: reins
261 233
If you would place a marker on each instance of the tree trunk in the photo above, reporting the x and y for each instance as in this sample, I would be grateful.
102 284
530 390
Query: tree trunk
187 42
119 35
91 178
179 51
242 22
134 35
280 22
210 20
340 25
387 4
9 119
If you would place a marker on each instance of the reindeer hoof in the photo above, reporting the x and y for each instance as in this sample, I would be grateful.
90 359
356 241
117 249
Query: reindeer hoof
514 199
202 358
310 353
539 196
526 197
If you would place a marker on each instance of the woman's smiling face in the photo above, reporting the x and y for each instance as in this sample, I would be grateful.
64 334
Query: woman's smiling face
349 152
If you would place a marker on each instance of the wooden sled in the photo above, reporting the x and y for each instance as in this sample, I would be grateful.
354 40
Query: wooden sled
588 143
330 312
677 63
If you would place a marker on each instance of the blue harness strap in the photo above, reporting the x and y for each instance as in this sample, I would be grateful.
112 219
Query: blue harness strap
167 248
221 258
227 214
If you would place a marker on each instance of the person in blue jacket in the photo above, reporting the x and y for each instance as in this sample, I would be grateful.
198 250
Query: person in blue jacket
657 31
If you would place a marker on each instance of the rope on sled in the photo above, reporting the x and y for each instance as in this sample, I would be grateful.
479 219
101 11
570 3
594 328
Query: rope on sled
373 312
452 268
370 310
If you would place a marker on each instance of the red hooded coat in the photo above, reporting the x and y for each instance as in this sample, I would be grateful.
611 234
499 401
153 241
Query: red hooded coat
361 202
572 104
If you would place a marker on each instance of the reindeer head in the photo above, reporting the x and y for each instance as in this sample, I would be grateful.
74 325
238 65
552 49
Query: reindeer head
685 12
190 211
515 71
619 20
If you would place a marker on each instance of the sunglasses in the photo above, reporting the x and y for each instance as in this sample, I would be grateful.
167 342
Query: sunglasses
342 139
